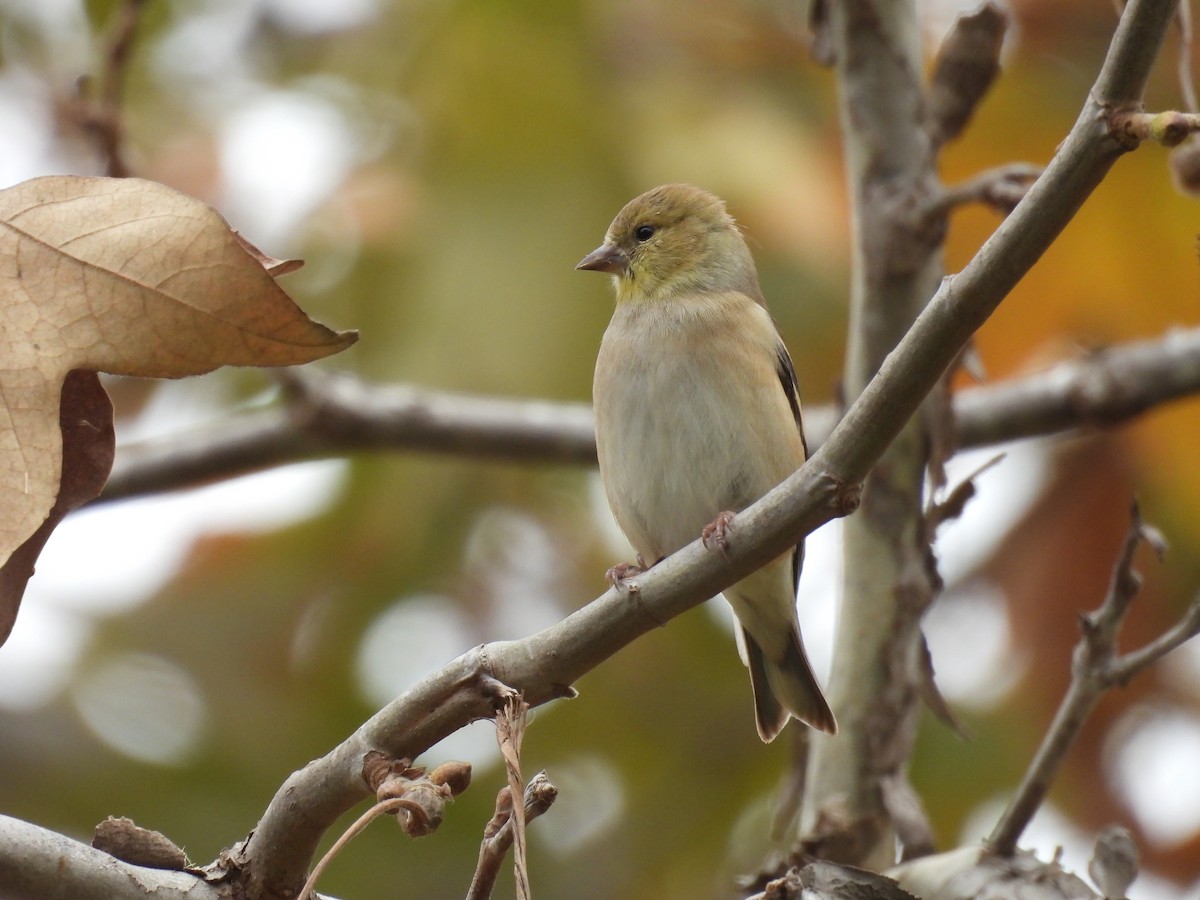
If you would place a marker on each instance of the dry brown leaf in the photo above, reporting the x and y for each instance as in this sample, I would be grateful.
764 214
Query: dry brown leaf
122 276
88 442
275 266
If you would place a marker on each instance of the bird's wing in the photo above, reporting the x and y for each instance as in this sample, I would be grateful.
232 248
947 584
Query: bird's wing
787 378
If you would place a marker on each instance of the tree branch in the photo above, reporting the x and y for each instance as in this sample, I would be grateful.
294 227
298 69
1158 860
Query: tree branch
1102 389
1170 128
498 835
39 864
891 167
544 665
967 63
97 108
1183 60
1096 667
1000 188
333 415
337 415
870 684
274 858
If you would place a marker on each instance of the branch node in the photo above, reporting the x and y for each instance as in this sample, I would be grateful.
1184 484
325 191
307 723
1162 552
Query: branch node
821 44
841 497
540 795
496 692
420 797
1001 188
1169 128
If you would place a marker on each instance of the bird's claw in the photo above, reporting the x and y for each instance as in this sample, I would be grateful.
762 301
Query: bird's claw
622 572
717 531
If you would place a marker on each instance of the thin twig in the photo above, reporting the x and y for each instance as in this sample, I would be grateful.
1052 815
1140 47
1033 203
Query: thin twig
540 795
101 117
417 797
967 63
943 509
1000 188
334 415
1102 389
393 804
1170 128
1096 667
1182 631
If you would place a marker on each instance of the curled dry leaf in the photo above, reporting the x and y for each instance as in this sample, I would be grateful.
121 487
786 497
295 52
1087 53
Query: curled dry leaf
275 266
128 841
123 276
88 442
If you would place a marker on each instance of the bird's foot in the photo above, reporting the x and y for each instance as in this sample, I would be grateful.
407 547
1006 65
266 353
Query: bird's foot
717 531
622 572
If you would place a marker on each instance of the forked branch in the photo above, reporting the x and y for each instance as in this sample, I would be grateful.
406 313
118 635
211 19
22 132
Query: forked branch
1097 666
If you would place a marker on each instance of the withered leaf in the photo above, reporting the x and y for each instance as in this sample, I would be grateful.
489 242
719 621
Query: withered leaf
123 276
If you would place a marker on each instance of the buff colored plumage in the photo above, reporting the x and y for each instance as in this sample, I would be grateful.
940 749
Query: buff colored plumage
697 414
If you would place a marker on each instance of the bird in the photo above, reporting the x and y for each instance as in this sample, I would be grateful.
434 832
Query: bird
697 416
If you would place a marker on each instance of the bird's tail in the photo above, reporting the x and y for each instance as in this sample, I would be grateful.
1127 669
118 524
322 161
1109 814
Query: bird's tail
785 688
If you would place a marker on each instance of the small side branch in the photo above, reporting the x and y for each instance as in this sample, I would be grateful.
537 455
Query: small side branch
98 110
1096 667
333 415
1101 389
1001 188
967 63
1170 128
498 834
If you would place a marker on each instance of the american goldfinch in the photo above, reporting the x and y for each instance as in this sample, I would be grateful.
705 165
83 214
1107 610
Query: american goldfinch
697 417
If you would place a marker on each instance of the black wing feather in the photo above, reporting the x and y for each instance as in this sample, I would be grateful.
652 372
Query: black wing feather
787 377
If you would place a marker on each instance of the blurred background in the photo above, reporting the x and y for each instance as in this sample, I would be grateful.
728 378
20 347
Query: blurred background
441 167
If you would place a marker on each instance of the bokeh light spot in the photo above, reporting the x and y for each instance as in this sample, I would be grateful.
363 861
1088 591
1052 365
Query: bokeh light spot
1152 756
591 799
143 707
970 640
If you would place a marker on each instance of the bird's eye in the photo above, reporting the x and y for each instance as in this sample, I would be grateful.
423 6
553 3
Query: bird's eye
644 233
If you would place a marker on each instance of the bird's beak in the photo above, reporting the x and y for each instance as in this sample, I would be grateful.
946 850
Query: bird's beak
606 258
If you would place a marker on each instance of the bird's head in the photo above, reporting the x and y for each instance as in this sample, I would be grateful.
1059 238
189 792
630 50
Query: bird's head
674 240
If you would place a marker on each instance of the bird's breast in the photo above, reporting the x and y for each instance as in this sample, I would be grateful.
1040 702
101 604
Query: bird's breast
691 420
